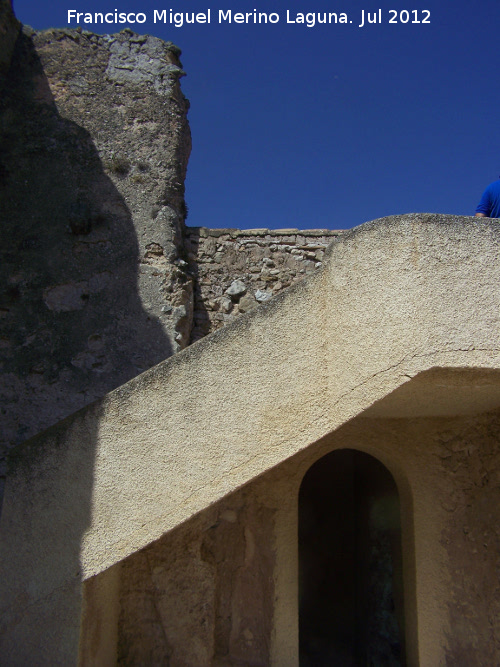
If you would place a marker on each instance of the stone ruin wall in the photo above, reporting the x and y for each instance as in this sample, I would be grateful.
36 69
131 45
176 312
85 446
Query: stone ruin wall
100 277
235 270
94 145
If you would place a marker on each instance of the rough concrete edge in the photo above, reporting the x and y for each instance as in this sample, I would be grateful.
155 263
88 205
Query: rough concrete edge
350 235
196 350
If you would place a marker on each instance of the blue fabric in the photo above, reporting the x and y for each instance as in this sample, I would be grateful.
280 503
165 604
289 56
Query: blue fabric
490 201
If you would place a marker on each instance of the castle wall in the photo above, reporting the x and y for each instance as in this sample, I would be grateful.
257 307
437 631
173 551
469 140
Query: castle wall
235 270
168 509
94 144
9 30
204 596
100 277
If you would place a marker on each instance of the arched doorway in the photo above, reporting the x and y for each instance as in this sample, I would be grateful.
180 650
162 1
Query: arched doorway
350 584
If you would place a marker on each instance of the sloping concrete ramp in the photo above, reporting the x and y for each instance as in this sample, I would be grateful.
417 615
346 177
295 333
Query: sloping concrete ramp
395 298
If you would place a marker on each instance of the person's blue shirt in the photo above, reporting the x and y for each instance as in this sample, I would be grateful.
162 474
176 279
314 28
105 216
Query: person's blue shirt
489 206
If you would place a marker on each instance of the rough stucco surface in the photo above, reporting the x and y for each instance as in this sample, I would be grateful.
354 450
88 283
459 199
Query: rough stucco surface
452 585
471 465
204 595
94 144
183 602
393 299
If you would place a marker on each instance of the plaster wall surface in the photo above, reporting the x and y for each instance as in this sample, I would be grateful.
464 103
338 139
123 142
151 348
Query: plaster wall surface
222 588
394 298
203 597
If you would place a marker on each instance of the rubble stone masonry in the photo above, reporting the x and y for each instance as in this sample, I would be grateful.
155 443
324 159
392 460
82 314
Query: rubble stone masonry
234 270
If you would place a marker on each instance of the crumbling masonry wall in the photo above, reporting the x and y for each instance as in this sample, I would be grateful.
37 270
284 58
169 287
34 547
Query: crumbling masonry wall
100 278
94 144
235 270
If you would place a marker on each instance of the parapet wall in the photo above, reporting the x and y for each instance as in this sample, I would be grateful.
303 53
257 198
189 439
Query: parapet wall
234 270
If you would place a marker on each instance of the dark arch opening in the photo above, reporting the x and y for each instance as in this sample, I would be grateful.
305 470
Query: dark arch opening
350 583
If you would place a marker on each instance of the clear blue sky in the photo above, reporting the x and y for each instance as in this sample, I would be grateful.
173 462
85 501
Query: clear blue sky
331 125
